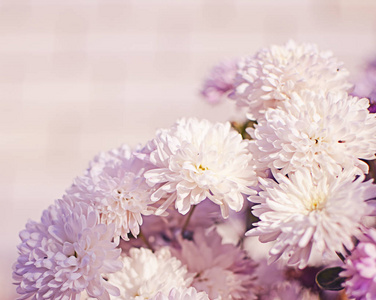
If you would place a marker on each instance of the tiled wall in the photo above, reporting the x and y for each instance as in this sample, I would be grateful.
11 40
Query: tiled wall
78 77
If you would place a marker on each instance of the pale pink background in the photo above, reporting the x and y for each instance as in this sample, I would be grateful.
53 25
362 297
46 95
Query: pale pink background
79 77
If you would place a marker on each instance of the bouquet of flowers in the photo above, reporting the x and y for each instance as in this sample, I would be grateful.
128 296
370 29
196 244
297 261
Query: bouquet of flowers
280 206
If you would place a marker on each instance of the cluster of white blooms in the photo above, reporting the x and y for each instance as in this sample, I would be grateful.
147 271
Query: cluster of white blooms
317 142
194 163
314 138
154 222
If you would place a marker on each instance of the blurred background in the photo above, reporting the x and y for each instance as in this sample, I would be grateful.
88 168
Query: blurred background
79 77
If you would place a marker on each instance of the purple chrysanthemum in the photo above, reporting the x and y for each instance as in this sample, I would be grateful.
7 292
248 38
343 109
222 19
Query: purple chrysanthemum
223 271
66 254
220 81
183 294
366 86
115 185
361 269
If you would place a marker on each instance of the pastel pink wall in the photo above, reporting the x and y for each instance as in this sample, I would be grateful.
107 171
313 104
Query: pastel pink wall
79 77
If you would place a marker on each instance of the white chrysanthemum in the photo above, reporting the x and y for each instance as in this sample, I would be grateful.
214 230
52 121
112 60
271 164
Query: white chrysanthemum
331 132
306 216
65 254
187 294
195 160
224 271
146 273
270 77
115 185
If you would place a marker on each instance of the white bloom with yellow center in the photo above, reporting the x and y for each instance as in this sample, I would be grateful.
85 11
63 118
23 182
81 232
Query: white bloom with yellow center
306 216
322 132
195 160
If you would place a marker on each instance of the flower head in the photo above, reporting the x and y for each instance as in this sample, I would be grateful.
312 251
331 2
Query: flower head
146 273
220 81
115 185
366 86
290 290
223 270
327 132
305 215
187 294
360 268
66 254
195 160
269 78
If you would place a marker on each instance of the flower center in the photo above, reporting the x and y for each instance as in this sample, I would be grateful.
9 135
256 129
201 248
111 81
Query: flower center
122 195
201 168
316 202
318 140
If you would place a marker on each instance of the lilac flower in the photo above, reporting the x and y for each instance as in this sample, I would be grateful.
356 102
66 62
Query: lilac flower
66 254
186 294
291 290
366 86
223 270
115 185
220 81
361 269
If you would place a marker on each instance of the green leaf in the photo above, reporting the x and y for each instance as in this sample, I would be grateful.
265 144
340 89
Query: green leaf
329 279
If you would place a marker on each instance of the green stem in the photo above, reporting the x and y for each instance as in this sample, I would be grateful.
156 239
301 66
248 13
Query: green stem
188 219
145 240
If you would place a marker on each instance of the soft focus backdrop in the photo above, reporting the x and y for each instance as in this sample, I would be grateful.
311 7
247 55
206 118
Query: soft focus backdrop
78 77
